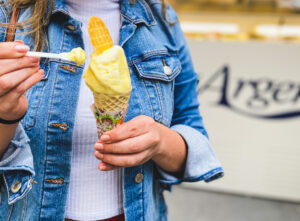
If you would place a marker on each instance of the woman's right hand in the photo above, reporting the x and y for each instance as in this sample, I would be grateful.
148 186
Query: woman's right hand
17 74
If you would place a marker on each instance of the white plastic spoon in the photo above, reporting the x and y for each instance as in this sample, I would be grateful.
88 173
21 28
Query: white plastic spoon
77 55
48 55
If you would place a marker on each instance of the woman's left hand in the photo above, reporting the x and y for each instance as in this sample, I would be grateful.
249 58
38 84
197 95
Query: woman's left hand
132 143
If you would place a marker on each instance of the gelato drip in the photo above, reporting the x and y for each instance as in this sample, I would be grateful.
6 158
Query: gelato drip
77 55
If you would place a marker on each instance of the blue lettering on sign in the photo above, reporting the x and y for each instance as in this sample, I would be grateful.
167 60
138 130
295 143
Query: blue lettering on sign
263 92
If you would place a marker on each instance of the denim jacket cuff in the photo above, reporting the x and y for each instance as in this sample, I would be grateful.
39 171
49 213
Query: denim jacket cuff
16 166
201 163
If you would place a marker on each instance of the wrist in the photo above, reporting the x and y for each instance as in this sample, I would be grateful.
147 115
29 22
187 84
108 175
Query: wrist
160 145
11 121
171 151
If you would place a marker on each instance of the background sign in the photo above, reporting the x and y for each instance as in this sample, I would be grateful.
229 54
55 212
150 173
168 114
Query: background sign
250 100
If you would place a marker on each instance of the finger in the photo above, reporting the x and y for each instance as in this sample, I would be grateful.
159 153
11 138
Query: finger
29 82
10 65
124 160
135 127
11 80
13 50
107 167
10 100
127 146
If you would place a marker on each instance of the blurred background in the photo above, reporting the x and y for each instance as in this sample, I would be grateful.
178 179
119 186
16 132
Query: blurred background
247 55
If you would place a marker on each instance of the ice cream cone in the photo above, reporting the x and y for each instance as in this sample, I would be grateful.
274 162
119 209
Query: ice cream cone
108 77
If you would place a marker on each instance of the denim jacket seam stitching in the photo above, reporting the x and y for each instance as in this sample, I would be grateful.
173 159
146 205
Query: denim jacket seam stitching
138 97
9 212
158 90
149 99
47 131
7 187
64 62
154 53
38 105
27 125
152 75
24 207
143 203
150 17
193 178
22 167
138 21
207 175
157 75
161 76
46 147
128 18
173 102
149 12
150 54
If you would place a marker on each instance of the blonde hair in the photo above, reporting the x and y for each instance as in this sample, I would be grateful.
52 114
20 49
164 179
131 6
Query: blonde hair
39 18
36 22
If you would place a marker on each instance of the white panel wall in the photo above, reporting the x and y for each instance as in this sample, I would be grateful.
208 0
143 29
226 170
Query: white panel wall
253 118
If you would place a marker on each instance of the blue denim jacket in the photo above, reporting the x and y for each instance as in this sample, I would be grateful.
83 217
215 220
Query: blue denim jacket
35 170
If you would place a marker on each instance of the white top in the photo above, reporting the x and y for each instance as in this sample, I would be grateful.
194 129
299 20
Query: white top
93 194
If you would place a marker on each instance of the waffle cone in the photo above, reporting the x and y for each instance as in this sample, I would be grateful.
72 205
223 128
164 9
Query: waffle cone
111 102
99 35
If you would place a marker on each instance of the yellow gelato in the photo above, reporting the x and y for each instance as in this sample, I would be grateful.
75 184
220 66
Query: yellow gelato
77 55
108 73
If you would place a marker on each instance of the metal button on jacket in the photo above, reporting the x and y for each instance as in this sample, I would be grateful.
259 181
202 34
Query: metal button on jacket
16 186
167 70
139 178
71 27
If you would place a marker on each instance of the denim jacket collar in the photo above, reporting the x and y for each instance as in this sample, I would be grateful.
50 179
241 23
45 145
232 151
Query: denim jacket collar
138 12
59 7
135 13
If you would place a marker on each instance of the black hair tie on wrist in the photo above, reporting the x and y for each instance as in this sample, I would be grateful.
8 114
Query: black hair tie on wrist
2 121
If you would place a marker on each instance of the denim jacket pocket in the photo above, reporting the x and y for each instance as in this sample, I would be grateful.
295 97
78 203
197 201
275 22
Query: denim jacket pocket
34 96
163 68
157 75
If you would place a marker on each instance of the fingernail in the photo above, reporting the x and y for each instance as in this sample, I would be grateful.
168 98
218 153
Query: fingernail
100 155
102 167
22 48
99 146
105 137
34 59
42 72
19 41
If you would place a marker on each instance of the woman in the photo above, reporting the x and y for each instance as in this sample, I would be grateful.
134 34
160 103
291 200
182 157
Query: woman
50 170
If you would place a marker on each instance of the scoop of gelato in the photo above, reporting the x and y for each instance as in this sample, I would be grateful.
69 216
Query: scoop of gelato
108 72
77 55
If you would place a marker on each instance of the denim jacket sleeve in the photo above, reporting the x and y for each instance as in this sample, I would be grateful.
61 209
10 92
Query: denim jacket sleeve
201 163
16 166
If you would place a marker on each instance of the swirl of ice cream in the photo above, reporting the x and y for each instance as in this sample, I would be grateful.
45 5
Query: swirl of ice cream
77 55
108 72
